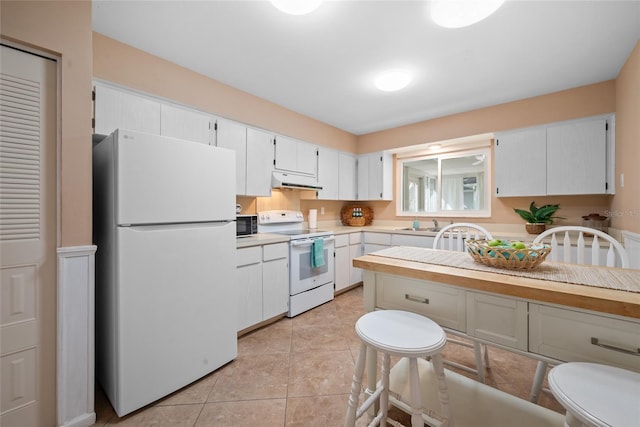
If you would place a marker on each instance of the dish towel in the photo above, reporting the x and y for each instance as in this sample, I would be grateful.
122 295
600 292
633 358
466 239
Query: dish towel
317 253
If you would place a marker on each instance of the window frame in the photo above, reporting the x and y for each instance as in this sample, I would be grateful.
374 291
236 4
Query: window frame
467 151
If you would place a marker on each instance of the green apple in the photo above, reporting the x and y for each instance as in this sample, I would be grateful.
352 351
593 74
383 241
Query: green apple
518 245
495 242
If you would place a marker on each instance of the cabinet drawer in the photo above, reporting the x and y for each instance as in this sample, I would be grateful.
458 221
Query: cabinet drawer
250 255
497 319
572 336
442 304
378 238
355 238
342 240
406 240
276 251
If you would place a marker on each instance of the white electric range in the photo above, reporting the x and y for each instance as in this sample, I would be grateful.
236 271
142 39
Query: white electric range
309 286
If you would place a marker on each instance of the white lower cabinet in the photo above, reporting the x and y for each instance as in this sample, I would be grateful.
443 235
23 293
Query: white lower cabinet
275 280
497 319
445 305
347 247
376 241
249 286
578 336
262 277
355 250
412 240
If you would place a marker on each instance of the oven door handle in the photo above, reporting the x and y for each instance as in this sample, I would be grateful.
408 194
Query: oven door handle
309 242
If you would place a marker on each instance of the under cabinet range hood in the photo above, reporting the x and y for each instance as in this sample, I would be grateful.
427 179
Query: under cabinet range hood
294 181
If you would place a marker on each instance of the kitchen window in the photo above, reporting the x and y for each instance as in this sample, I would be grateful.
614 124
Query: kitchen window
450 184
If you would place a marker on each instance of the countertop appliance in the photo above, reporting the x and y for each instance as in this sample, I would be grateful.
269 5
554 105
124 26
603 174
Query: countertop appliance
246 225
309 285
164 212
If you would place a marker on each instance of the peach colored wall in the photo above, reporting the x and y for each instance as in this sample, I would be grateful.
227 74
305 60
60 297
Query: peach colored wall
141 71
569 104
565 105
625 207
64 28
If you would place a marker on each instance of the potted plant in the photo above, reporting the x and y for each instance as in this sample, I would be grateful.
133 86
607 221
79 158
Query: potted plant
537 218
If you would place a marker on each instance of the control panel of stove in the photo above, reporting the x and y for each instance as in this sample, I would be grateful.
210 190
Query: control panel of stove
279 217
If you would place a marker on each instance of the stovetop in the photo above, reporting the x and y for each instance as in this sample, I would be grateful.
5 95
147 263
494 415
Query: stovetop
287 223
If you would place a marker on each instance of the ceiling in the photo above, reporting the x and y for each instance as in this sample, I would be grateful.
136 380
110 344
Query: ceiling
323 64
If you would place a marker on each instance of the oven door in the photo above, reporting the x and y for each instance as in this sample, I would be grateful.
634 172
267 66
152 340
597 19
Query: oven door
301 276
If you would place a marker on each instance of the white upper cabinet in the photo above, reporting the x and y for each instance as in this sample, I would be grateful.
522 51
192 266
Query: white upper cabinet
521 163
116 109
292 155
233 135
184 123
568 158
347 176
375 176
259 162
577 158
328 178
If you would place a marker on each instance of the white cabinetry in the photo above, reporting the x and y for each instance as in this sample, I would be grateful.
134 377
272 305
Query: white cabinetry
117 108
412 240
347 173
347 247
577 336
568 158
254 156
375 176
259 162
262 277
275 280
521 163
497 319
577 158
292 155
249 286
233 135
183 123
114 109
445 305
355 250
376 241
328 177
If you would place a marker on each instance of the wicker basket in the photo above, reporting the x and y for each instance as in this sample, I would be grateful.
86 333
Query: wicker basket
507 257
347 218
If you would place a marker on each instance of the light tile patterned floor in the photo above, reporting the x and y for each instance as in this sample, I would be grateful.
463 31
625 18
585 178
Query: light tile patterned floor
296 373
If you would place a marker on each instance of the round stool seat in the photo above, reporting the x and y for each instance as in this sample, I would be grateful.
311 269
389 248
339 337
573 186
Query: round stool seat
401 333
597 395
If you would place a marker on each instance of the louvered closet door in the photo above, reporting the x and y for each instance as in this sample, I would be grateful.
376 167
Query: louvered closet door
27 239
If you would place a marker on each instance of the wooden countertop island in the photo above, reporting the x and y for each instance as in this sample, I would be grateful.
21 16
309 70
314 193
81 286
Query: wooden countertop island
506 282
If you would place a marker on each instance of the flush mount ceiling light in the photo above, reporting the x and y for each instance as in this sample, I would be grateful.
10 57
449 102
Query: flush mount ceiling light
392 80
462 13
296 7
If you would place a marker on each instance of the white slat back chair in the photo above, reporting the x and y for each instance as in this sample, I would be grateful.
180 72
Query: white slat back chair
615 252
616 256
452 237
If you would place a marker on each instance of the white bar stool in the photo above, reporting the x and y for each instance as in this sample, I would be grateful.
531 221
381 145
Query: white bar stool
596 395
402 334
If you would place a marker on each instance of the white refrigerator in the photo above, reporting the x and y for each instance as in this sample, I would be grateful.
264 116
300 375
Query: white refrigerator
164 212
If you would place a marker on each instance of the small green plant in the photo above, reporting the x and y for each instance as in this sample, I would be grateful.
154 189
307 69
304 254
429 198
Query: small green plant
539 215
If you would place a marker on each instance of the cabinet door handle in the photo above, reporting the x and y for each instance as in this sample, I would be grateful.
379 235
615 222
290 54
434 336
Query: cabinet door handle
416 299
597 342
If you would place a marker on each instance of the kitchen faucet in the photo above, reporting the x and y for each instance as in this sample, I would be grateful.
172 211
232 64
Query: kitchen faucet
435 223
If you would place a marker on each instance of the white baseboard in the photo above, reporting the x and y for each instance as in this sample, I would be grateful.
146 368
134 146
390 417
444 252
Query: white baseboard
76 308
